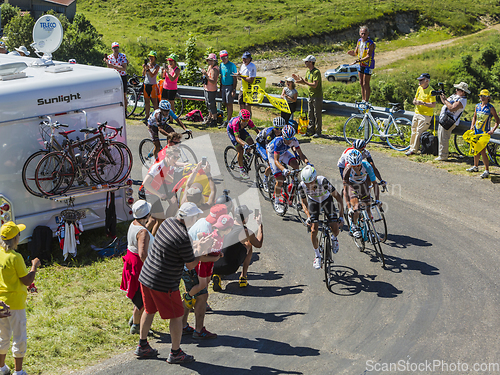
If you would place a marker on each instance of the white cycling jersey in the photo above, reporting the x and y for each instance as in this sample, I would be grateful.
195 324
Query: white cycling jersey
343 158
319 191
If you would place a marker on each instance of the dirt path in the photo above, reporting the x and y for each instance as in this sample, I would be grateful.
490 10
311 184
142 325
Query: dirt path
277 69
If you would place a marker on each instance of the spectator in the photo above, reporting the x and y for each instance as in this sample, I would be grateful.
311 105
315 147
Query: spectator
14 278
481 125
424 103
365 51
72 61
290 94
204 225
238 248
210 78
119 62
227 84
248 72
140 242
150 71
21 51
3 47
227 201
313 80
160 278
455 104
172 73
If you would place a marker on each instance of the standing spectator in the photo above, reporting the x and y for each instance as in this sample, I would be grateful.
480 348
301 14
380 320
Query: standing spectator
455 104
424 103
227 84
3 48
119 62
160 278
150 71
313 80
14 278
140 242
172 73
210 78
481 124
365 51
290 94
248 72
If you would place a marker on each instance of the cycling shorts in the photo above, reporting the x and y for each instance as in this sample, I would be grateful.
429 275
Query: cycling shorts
243 135
150 91
361 191
154 132
341 169
365 70
284 158
262 150
168 94
328 207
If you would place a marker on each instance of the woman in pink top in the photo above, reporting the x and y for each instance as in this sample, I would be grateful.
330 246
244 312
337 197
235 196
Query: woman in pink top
172 74
210 77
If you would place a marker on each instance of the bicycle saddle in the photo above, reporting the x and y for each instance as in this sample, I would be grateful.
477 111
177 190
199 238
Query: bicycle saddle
64 134
88 130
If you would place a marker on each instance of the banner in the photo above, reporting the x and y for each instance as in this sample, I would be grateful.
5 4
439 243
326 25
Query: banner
251 93
278 103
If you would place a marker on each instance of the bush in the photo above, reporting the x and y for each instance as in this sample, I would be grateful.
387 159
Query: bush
8 12
19 31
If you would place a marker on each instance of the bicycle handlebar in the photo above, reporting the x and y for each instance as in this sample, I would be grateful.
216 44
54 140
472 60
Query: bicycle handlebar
54 125
189 134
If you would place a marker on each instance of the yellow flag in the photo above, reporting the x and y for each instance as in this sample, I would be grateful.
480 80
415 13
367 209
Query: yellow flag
278 103
251 93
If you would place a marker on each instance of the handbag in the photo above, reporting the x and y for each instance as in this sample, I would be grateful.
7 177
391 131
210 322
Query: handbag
446 120
429 141
303 120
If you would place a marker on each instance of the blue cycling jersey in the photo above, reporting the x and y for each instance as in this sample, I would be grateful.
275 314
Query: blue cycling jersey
278 145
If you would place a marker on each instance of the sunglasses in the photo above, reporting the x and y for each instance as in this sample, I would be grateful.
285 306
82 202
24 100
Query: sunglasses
176 142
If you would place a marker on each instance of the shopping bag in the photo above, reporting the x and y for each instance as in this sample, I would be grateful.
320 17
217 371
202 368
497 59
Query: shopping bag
303 120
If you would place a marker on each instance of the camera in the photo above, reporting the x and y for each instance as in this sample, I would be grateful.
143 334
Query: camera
440 91
204 80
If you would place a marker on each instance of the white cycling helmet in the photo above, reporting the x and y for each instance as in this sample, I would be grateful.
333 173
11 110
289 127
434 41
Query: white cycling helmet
308 174
359 144
354 158
165 105
279 122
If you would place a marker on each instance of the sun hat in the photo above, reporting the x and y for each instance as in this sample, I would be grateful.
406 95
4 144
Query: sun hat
211 56
188 209
215 212
290 79
484 92
173 56
140 209
224 222
23 50
462 86
310 58
223 53
424 76
152 53
115 44
9 230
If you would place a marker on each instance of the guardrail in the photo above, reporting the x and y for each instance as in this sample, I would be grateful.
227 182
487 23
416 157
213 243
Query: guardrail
330 107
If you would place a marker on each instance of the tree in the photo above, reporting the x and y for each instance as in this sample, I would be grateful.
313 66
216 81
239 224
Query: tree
19 31
8 12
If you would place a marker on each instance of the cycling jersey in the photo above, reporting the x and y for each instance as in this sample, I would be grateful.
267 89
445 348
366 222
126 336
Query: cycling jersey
483 118
163 120
277 145
343 158
265 136
351 177
159 171
233 126
319 191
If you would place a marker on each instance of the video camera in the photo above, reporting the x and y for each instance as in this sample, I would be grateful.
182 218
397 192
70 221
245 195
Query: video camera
146 61
440 91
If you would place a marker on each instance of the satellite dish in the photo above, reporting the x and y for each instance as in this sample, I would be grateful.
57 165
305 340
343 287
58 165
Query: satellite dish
47 37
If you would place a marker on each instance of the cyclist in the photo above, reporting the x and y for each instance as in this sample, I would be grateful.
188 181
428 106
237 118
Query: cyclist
240 138
358 176
263 138
360 145
158 121
317 194
278 156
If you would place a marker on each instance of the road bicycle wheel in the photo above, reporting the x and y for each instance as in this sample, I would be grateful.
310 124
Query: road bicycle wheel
127 161
178 105
231 161
360 242
375 240
301 214
327 257
380 224
28 173
399 133
461 147
271 182
131 102
356 128
493 152
108 164
187 154
260 172
54 174
146 154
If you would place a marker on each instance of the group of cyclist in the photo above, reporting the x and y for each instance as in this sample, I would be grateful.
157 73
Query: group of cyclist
279 148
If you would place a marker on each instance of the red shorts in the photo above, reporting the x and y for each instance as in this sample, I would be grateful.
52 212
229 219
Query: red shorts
205 269
169 305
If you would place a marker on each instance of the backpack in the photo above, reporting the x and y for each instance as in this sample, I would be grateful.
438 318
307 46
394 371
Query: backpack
429 140
40 244
195 116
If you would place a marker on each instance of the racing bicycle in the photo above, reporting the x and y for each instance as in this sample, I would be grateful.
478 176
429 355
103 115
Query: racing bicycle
395 131
290 196
146 151
250 156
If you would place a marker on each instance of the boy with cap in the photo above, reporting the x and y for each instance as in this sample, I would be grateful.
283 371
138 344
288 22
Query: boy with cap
14 278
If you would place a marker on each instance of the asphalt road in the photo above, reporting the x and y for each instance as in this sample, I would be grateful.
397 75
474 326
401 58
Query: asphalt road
433 310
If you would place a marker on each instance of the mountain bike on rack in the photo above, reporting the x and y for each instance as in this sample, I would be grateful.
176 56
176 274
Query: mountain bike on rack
146 151
395 131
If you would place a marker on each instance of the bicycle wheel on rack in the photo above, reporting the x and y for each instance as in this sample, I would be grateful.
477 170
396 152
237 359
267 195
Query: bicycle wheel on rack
127 161
356 128
146 154
54 174
461 147
375 240
28 173
109 163
231 162
178 105
187 154
493 152
398 134
131 102
260 172
141 104
380 224
327 258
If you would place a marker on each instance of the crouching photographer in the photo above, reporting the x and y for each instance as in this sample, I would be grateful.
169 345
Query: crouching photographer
449 117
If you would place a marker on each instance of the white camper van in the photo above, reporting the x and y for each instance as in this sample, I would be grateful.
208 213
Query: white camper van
77 95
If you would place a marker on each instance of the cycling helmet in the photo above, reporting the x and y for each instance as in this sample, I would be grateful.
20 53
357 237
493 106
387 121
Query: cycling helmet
279 122
308 174
359 144
245 114
354 158
288 132
165 105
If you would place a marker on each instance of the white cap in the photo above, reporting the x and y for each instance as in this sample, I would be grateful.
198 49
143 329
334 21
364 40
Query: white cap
310 58
141 208
291 79
189 209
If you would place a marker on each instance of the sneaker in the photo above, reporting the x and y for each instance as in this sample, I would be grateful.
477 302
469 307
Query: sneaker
5 370
243 282
131 321
188 300
265 182
278 207
179 358
244 175
187 330
485 174
216 283
204 334
317 263
335 244
145 351
20 373
135 329
441 158
316 136
408 153
473 169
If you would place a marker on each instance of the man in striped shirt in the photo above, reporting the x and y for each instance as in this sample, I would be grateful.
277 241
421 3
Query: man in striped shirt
160 278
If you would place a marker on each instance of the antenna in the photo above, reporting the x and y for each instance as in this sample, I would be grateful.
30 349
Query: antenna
47 37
